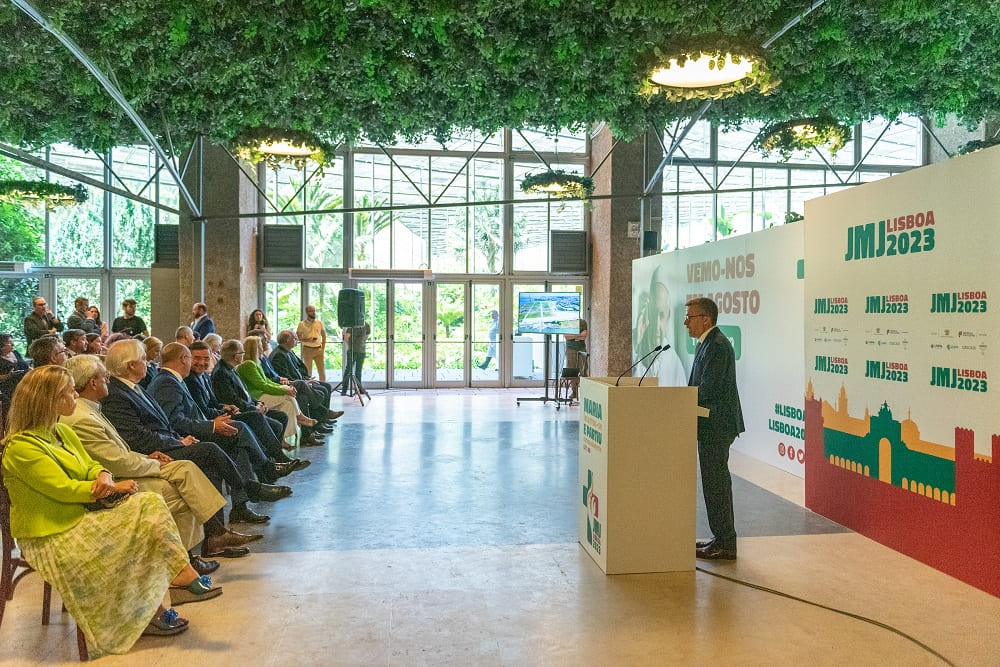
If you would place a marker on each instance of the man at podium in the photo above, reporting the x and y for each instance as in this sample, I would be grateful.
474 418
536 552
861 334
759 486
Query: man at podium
714 373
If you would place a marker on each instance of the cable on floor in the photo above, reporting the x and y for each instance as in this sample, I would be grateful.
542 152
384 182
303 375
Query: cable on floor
857 617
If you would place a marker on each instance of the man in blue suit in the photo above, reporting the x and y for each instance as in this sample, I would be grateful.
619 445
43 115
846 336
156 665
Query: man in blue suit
168 389
201 324
268 431
144 426
289 365
714 373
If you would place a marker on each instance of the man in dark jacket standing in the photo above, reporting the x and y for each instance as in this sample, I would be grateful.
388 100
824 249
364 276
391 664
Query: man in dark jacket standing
714 373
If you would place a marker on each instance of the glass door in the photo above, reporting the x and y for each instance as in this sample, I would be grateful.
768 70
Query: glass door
450 335
377 359
406 334
323 297
488 341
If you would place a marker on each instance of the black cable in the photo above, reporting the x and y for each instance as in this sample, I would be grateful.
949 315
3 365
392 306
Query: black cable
857 617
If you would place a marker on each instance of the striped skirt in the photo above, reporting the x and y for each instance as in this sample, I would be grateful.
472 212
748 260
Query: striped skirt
112 569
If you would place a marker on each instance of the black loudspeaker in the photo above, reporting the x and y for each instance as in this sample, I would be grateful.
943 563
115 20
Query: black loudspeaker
350 308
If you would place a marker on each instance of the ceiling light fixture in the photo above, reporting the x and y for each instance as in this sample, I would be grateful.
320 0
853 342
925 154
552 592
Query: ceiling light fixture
278 148
803 134
714 72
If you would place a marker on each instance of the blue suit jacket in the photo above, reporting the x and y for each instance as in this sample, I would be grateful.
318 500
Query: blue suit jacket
179 406
205 327
144 427
229 388
714 373
200 387
288 364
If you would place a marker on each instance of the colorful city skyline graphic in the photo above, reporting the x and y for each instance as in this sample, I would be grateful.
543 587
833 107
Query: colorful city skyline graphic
875 475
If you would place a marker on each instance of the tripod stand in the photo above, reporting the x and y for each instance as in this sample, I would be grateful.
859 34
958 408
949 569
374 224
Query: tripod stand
351 384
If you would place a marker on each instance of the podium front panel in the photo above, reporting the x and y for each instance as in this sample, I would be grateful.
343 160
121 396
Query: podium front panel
637 459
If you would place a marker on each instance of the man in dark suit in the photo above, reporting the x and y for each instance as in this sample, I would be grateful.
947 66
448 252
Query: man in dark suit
201 324
267 430
142 423
714 373
168 389
289 365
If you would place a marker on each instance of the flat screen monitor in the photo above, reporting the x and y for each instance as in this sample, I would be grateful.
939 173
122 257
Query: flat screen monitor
548 312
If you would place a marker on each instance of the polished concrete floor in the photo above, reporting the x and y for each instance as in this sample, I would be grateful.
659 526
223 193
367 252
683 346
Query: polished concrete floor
439 528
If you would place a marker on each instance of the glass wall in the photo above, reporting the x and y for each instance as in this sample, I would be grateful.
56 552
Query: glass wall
719 185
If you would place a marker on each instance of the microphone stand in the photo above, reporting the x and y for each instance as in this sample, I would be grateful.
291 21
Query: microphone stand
655 349
662 350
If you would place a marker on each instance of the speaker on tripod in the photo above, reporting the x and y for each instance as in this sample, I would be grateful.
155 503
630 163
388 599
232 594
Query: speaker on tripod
350 308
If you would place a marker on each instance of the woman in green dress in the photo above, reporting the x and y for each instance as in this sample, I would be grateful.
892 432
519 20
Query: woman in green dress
112 567
275 396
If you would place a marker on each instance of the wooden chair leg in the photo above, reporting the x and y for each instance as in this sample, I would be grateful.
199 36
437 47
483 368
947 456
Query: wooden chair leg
46 602
81 645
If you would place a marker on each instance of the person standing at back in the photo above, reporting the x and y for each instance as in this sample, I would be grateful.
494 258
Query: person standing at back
40 322
201 324
312 334
714 373
129 323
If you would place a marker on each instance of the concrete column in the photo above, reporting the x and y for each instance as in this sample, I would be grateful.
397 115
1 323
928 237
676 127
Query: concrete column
217 258
625 174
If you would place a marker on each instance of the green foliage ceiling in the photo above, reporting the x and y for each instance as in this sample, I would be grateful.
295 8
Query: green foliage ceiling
376 68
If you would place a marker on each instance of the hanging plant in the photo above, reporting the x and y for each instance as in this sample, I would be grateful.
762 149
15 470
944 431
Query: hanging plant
559 184
802 134
716 69
793 216
51 194
977 145
278 148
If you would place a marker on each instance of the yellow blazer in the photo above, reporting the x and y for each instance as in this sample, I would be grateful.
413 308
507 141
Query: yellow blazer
48 483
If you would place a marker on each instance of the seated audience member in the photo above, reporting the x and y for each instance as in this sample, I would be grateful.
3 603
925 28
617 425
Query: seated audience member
95 314
75 341
94 345
214 342
271 394
47 350
184 336
312 395
269 431
142 423
80 319
168 389
190 496
153 346
112 567
40 322
12 366
130 324
114 338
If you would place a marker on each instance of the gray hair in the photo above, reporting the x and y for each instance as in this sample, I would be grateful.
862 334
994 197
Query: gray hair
229 349
83 368
213 340
123 353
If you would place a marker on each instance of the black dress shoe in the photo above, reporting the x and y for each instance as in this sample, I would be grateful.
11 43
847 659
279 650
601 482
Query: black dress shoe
301 464
202 566
323 428
701 544
282 469
271 492
246 515
311 440
715 552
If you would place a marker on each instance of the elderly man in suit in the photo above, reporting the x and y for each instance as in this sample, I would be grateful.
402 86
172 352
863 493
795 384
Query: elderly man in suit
288 365
169 390
40 322
714 373
189 495
144 426
267 430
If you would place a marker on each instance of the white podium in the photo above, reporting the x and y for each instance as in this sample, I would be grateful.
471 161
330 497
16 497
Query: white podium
638 452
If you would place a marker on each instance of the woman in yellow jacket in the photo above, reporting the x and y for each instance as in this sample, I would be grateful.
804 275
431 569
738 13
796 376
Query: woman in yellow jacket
275 396
112 567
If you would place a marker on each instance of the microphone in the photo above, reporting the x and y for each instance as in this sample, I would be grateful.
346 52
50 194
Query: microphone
655 349
662 350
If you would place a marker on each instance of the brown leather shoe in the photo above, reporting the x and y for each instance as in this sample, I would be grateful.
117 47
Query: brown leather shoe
715 552
202 566
334 414
218 545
